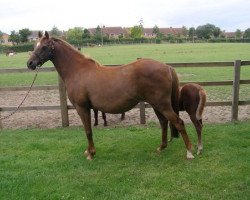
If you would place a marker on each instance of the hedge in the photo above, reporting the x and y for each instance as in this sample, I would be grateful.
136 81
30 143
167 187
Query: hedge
17 48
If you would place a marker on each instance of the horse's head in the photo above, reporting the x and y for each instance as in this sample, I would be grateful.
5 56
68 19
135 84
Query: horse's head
42 52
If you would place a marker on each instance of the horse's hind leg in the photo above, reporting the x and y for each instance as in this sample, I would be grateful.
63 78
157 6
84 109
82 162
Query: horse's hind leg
123 116
164 128
179 124
198 127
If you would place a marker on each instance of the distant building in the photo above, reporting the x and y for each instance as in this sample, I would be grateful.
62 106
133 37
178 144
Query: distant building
5 39
110 32
229 34
148 32
33 36
115 32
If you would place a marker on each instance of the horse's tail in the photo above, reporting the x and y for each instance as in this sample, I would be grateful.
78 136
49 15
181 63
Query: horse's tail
201 105
174 100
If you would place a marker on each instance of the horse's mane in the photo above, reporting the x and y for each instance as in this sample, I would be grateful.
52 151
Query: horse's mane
75 50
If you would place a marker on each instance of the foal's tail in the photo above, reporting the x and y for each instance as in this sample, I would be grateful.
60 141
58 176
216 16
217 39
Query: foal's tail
174 100
201 105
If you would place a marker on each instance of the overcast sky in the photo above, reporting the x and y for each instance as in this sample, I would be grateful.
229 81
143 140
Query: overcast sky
229 15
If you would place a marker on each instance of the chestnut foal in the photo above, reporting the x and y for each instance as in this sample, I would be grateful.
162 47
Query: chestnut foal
192 100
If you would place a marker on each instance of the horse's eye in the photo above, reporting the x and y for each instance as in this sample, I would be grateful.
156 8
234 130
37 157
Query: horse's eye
44 48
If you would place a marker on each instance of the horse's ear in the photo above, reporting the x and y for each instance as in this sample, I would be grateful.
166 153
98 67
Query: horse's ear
40 34
47 34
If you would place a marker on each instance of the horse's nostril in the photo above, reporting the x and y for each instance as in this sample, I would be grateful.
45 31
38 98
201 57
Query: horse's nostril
29 63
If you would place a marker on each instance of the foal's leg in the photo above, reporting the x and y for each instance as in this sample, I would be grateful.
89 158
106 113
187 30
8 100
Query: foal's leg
123 116
96 117
104 119
164 128
198 127
179 124
85 116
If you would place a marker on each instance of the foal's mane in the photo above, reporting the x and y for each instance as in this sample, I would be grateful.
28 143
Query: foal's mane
59 41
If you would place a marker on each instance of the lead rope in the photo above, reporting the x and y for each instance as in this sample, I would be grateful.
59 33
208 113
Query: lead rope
17 108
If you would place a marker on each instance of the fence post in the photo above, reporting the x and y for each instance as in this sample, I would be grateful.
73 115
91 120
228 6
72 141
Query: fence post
142 110
63 102
236 90
142 113
1 124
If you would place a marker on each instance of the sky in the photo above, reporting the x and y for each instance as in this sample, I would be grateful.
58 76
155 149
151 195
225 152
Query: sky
229 15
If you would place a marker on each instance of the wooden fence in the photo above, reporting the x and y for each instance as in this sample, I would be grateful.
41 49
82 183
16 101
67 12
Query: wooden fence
64 107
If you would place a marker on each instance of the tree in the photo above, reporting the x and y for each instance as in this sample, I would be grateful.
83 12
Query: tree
191 33
207 31
184 31
156 30
246 33
74 36
238 33
86 34
1 36
136 31
98 34
23 34
14 37
55 32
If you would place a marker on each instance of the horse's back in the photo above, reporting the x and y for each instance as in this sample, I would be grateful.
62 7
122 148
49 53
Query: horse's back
190 96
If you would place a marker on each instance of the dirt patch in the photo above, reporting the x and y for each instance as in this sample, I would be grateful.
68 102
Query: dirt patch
51 119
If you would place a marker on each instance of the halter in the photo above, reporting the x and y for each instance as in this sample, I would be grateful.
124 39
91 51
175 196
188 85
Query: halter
50 49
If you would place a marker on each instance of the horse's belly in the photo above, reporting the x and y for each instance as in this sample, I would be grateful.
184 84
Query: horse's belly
114 107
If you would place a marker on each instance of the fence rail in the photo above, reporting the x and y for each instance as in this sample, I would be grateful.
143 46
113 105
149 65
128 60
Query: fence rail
142 106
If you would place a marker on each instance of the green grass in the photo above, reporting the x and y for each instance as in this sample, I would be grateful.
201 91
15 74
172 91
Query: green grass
49 164
121 54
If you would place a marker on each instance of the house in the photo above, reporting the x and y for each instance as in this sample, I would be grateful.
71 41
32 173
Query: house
229 34
148 32
5 39
33 36
110 32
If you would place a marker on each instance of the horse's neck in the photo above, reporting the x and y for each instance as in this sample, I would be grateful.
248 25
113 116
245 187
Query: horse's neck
67 61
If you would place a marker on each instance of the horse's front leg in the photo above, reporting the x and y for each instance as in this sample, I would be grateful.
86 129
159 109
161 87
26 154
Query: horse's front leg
85 116
164 129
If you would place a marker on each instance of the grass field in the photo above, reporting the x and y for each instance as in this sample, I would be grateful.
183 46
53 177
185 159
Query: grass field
49 164
121 54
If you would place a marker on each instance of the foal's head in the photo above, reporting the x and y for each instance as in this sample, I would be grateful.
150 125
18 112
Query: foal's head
42 52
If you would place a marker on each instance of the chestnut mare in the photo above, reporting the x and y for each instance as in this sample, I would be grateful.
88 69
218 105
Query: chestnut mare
113 89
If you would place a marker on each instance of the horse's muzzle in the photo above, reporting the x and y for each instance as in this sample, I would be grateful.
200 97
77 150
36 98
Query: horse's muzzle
31 64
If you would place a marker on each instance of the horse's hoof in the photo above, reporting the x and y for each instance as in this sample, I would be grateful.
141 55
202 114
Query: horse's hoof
86 153
89 157
199 152
159 150
189 155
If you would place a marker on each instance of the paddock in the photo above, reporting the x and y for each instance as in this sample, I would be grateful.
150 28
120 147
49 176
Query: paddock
55 110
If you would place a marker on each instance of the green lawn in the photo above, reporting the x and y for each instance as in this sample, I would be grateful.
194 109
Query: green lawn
121 54
49 164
